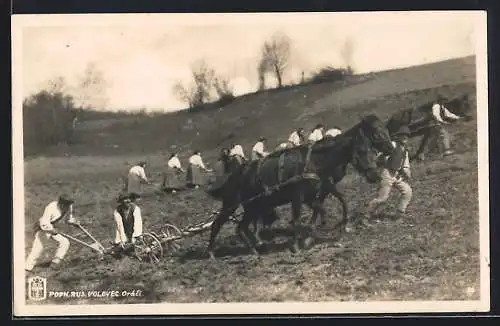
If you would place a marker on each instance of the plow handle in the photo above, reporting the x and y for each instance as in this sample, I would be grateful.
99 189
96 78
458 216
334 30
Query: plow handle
90 235
100 250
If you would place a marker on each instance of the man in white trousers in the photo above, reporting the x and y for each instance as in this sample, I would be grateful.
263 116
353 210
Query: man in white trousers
54 212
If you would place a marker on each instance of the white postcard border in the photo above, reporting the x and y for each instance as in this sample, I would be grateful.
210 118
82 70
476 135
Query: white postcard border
22 309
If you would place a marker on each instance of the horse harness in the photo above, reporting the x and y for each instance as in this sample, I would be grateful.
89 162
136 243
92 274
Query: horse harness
303 175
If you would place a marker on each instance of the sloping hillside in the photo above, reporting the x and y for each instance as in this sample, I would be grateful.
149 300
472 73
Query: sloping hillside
275 113
431 255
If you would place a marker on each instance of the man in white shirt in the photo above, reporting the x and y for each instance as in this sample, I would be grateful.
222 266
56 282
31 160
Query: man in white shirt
297 137
237 152
53 213
174 169
128 220
137 177
258 149
333 132
193 175
442 115
317 133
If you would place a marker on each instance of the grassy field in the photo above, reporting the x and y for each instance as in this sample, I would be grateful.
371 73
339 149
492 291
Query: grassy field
432 255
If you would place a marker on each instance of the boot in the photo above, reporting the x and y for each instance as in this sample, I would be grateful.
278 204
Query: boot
398 216
55 264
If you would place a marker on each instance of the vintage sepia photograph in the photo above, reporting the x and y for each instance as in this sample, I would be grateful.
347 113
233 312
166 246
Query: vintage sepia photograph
257 163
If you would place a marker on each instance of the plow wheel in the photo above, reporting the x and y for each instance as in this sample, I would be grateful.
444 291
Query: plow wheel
148 249
170 235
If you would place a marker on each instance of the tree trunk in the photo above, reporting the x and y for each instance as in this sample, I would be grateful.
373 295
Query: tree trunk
262 82
278 76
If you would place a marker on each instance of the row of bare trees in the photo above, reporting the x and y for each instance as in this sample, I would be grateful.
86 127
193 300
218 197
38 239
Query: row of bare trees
275 57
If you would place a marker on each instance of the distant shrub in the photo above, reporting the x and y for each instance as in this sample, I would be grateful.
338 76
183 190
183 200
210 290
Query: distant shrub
47 120
331 74
226 99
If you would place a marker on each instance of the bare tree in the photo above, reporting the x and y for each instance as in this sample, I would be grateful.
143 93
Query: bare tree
203 77
346 53
275 57
205 86
92 88
56 85
223 87
184 93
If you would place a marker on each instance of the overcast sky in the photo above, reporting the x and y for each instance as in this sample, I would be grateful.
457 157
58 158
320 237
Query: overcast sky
142 56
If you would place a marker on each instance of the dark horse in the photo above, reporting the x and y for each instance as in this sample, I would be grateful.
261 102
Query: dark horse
421 123
298 175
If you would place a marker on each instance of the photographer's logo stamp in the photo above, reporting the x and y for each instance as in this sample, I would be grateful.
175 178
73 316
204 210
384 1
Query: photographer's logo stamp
37 288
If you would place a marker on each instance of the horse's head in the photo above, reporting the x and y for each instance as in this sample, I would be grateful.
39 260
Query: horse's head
377 133
372 139
460 106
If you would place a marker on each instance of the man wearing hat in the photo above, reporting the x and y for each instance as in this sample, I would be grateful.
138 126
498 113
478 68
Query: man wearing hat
258 149
396 173
442 116
137 177
44 229
128 219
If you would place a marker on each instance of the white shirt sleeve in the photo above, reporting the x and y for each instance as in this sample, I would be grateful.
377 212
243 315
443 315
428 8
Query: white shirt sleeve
436 112
294 139
258 148
137 222
406 163
119 226
237 150
315 135
142 174
450 115
174 163
71 218
333 132
49 213
196 160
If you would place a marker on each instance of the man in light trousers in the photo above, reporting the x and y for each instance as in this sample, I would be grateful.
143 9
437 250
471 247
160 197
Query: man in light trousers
442 116
44 229
396 173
